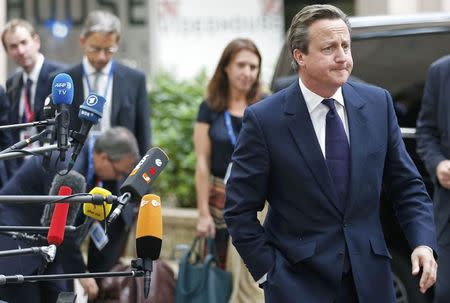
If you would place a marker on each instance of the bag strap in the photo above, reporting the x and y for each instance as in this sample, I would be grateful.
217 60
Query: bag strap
211 249
203 270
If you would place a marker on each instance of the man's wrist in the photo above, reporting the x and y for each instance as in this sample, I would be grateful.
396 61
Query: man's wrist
427 247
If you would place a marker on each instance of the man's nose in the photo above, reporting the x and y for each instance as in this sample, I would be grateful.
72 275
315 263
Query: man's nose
20 49
341 54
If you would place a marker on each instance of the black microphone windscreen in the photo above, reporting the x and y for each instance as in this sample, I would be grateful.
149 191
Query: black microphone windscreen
77 183
145 173
48 108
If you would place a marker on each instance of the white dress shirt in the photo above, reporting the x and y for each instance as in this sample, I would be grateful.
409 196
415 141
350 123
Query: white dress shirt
106 92
318 112
34 76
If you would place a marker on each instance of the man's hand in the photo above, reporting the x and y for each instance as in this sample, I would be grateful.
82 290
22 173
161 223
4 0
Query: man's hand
423 257
443 173
90 287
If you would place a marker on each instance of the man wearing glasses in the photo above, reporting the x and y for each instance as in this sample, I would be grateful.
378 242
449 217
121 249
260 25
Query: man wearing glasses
123 88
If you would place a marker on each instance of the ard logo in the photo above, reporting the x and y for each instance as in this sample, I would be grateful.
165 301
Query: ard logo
91 100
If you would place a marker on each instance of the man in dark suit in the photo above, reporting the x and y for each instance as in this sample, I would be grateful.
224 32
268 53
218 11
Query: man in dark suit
433 146
124 88
126 104
103 162
26 88
319 152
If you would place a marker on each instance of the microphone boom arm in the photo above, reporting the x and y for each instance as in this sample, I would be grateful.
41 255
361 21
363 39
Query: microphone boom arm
24 143
122 201
48 252
46 122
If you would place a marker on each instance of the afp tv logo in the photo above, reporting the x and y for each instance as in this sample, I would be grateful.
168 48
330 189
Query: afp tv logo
63 87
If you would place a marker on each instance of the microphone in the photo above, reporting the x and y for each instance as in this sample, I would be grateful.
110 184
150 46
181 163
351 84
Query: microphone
93 211
149 235
49 113
141 177
73 180
66 185
55 234
98 212
49 138
62 96
90 111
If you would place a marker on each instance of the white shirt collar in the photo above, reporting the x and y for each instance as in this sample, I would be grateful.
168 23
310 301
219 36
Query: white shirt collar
90 70
313 100
34 75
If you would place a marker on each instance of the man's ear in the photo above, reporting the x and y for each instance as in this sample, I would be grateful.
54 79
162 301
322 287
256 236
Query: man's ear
37 39
298 56
82 41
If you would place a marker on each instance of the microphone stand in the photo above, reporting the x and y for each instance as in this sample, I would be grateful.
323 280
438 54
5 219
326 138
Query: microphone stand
35 229
78 198
37 150
30 238
29 124
48 252
24 143
20 279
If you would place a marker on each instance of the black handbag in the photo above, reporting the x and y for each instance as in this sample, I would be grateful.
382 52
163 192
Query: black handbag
202 281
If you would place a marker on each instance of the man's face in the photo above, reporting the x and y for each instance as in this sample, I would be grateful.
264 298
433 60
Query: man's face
329 61
22 47
99 48
242 71
109 170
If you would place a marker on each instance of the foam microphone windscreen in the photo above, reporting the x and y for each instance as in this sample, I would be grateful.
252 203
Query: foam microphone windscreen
92 108
62 89
98 212
149 228
59 218
77 183
145 173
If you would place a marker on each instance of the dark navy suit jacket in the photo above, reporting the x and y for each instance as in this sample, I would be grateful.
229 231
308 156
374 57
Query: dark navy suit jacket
14 86
433 133
301 245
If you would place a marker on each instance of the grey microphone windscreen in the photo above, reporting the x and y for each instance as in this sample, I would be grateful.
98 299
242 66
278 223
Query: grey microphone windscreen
77 183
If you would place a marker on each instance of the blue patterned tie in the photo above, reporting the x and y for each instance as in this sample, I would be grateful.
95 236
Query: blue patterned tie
337 152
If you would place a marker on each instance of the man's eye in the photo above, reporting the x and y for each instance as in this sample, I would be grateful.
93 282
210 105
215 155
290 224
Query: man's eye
328 49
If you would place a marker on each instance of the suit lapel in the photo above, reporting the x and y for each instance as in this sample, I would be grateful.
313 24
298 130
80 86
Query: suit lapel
77 78
302 130
41 90
117 95
14 91
357 125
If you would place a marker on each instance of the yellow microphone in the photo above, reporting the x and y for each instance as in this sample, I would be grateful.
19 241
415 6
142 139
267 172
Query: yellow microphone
149 227
149 235
98 212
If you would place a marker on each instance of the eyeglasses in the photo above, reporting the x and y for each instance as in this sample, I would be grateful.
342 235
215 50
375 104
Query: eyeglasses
96 50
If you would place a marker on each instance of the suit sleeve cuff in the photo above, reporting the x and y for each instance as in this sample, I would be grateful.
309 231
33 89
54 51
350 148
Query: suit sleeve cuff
262 279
